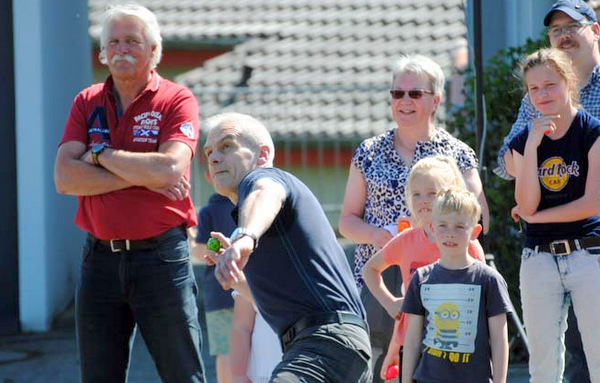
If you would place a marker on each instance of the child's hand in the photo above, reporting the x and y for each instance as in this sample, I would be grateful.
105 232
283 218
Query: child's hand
542 126
515 213
391 358
381 237
395 309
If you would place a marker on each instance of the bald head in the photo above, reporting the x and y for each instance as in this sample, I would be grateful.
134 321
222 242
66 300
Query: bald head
251 131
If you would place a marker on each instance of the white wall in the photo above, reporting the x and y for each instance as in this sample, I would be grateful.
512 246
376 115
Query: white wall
52 63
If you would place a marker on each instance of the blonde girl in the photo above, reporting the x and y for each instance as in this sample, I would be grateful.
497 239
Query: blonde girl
557 178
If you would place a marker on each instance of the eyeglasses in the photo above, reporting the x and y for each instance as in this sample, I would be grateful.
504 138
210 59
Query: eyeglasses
415 94
568 29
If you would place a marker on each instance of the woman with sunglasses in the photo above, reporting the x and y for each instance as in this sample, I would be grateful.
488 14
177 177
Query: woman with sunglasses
374 199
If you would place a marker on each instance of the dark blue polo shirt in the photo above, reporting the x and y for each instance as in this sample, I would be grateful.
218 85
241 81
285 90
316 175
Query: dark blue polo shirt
299 268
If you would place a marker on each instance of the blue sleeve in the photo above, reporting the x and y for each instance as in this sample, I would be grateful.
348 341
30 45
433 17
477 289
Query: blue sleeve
497 297
359 159
205 225
251 178
519 141
466 158
412 300
526 114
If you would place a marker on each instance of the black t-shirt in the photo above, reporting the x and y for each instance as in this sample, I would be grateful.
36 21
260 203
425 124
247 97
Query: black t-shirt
562 172
299 268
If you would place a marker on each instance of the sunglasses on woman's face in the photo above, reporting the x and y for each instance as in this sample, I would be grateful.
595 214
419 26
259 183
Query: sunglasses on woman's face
415 94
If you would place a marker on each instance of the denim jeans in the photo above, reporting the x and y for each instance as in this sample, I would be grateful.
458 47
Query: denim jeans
576 369
328 353
548 285
154 290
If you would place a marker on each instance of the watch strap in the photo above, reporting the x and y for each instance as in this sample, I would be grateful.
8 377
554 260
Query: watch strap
241 232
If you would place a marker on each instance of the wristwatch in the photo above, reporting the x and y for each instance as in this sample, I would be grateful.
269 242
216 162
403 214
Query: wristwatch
97 149
242 231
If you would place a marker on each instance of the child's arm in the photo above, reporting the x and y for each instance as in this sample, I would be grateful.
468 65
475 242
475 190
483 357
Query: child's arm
584 207
412 347
372 276
241 339
393 352
476 251
499 345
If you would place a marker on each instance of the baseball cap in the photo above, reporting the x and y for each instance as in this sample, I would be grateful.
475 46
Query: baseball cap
575 9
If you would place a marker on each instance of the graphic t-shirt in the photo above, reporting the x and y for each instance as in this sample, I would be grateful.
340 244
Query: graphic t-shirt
456 305
562 172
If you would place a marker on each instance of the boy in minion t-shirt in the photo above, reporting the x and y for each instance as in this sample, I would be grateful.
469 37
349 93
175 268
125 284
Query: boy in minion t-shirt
457 329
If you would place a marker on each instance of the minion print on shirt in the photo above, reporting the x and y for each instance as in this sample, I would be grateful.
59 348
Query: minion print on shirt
452 314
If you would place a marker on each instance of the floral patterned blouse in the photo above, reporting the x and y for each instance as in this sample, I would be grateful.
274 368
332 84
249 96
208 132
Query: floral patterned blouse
385 174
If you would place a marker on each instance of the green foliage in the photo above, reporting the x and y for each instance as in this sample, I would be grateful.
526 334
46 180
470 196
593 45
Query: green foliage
503 94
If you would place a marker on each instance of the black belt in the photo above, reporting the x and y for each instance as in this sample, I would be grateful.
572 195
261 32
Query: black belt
116 245
567 246
320 319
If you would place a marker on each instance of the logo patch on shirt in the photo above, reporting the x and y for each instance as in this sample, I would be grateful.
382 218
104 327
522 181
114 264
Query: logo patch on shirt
188 129
554 173
147 127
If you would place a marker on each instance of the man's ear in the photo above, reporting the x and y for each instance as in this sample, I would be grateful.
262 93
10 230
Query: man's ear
596 30
264 156
476 231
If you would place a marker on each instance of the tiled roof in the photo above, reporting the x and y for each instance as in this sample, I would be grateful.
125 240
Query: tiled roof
318 68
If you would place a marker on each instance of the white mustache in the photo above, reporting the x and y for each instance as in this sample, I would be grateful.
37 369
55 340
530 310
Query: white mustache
126 57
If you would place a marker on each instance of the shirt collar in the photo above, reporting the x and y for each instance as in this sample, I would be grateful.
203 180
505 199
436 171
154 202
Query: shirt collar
152 85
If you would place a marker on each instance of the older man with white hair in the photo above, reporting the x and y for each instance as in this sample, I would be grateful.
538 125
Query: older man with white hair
126 153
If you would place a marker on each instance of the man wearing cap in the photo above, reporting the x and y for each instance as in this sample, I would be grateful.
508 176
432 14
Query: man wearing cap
572 28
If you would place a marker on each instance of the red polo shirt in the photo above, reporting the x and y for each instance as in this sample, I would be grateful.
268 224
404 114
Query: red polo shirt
164 111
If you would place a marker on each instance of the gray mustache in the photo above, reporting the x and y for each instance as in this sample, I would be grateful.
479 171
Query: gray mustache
126 57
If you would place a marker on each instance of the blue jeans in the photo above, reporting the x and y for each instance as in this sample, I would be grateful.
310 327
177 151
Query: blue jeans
576 369
549 284
326 353
154 289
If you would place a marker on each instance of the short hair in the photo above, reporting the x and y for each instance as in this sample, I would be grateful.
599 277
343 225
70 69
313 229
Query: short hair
421 66
253 131
457 200
560 62
442 168
150 27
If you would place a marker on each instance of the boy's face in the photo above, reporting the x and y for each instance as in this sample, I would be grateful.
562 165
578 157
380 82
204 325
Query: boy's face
453 231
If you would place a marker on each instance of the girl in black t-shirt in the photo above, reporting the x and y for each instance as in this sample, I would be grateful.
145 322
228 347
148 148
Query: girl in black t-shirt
557 166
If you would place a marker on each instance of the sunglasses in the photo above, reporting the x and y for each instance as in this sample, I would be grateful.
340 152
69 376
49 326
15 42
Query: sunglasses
415 94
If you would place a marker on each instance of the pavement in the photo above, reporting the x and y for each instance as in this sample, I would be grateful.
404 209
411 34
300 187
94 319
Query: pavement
51 357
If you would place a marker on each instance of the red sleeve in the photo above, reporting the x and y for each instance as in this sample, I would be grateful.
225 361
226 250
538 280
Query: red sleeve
76 126
182 123
476 251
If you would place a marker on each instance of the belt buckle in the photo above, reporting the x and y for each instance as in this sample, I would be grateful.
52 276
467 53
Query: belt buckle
560 247
116 249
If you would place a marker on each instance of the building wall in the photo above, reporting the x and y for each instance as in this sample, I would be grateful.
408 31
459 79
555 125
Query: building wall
51 65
